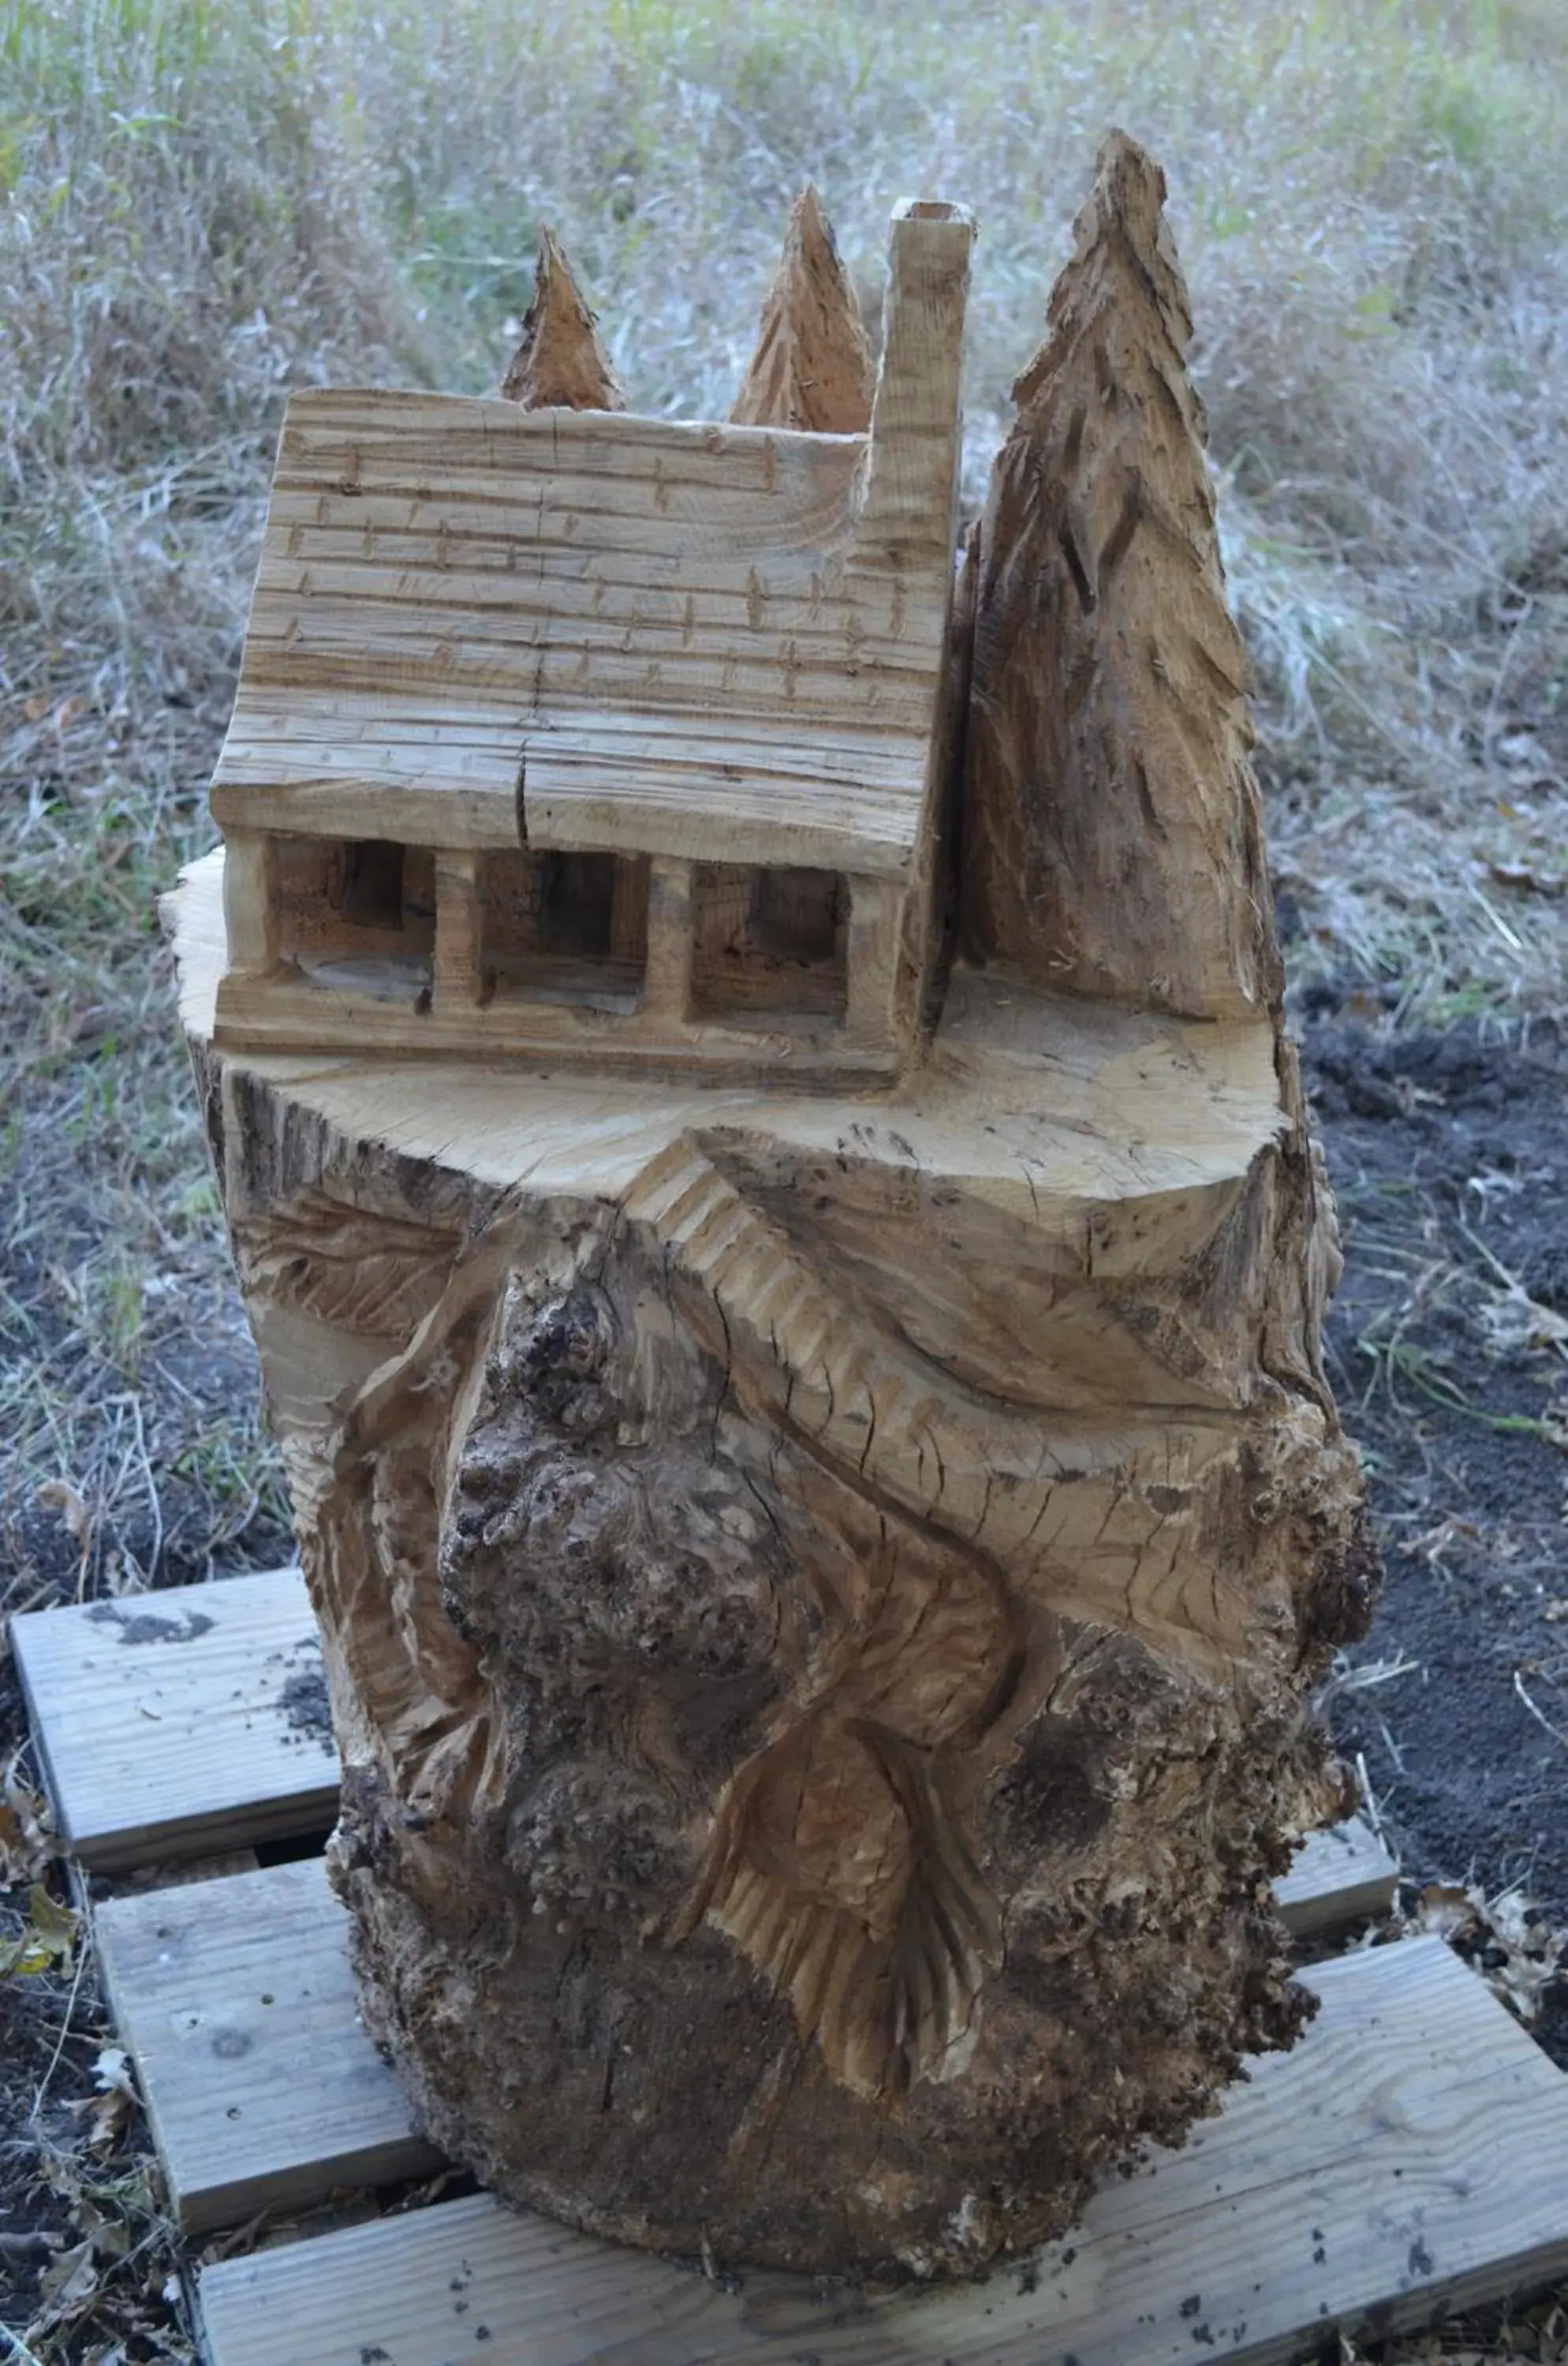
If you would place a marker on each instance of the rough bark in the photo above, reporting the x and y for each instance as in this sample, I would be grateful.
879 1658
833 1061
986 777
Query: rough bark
560 361
1113 841
821 1594
813 365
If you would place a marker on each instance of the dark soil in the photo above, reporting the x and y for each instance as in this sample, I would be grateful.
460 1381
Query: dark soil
1449 1162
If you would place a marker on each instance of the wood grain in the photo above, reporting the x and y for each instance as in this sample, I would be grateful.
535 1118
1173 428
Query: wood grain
561 363
236 2002
164 1723
824 1576
960 1343
239 2010
1336 1876
1394 2163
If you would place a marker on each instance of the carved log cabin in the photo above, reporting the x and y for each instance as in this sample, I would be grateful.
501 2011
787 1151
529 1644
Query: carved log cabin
819 1487
586 734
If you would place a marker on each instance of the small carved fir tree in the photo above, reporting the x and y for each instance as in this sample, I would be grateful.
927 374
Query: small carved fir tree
821 1588
813 365
560 361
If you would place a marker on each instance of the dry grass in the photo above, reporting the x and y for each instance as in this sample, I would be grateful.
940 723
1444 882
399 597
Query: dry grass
202 204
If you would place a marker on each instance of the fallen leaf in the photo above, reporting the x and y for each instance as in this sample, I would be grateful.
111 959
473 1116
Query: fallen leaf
107 2117
59 1495
107 2113
48 1942
27 1835
1516 1952
1514 1320
70 2279
110 2238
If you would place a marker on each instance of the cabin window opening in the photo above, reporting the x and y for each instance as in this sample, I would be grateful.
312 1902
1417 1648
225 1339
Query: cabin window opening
577 905
358 915
564 927
770 944
372 892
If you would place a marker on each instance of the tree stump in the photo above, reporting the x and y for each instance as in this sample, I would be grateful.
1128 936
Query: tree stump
821 1569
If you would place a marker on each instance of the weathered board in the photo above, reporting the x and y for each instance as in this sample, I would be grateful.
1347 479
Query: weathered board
1338 1877
181 1723
217 1741
236 2002
1393 2163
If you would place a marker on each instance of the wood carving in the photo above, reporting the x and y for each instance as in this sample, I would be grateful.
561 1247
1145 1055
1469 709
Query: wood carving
809 1443
561 364
1107 661
813 365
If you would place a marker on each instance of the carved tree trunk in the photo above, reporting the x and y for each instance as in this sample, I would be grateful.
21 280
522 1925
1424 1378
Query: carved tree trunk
821 1594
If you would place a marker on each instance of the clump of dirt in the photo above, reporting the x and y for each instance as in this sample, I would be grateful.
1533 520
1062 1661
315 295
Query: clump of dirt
1449 1350
307 1706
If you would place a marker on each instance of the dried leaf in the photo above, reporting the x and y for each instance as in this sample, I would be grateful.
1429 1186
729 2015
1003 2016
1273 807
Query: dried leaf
1514 1320
107 2117
27 1835
110 2238
48 1942
111 2072
1516 1950
107 2113
70 2279
60 1495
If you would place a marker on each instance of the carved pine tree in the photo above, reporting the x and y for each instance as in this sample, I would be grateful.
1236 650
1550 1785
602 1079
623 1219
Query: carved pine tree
1113 844
560 361
813 365
810 1451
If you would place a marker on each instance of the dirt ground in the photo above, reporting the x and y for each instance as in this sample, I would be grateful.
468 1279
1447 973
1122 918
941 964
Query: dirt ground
1449 1350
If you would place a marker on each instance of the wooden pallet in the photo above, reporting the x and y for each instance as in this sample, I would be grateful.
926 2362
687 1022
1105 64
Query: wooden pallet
1390 2164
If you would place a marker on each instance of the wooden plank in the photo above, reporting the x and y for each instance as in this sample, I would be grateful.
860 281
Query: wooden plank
692 796
181 1723
1338 1876
236 2002
1391 2165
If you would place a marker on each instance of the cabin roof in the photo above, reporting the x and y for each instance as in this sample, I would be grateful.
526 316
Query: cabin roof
659 637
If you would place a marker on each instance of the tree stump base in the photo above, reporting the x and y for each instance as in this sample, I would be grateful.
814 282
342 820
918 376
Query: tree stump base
817 1602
